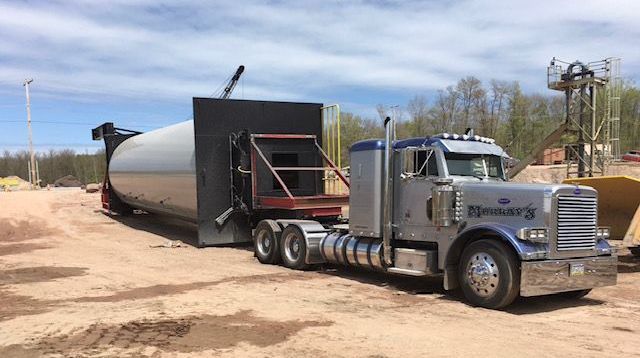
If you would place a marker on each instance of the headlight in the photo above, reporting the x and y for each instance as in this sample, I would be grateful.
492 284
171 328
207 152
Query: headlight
602 232
538 235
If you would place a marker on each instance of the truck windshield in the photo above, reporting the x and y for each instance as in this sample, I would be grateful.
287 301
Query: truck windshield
477 165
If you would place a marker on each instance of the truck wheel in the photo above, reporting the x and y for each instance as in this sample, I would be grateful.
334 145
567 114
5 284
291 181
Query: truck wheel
574 294
635 251
293 248
489 274
266 240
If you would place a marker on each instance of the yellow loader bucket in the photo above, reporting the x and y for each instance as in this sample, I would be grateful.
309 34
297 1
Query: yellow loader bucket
618 205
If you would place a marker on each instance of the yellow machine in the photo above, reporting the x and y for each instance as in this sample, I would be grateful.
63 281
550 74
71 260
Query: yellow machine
618 206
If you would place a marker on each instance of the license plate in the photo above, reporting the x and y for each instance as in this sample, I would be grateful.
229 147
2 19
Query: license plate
576 270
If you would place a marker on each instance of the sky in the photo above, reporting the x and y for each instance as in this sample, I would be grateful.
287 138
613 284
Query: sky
139 63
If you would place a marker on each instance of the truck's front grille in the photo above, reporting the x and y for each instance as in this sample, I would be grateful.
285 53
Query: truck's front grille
577 220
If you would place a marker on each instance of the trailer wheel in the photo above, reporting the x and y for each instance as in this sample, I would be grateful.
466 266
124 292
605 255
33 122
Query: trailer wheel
266 241
293 248
489 274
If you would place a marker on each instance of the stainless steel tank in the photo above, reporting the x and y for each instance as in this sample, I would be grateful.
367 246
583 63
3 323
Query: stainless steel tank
345 249
155 171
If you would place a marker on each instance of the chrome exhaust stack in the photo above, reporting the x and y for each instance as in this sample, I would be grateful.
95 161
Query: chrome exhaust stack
387 229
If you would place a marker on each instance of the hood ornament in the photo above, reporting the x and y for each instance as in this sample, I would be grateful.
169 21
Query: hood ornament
577 190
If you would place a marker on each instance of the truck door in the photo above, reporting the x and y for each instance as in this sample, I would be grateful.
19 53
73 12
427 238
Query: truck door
419 166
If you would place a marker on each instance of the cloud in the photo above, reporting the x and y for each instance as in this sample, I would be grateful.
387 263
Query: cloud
301 50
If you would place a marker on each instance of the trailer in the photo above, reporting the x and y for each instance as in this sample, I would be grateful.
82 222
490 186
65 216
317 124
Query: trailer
430 206
197 170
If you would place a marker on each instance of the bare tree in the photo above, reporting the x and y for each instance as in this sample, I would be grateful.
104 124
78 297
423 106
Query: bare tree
418 110
382 111
480 113
499 92
469 88
444 110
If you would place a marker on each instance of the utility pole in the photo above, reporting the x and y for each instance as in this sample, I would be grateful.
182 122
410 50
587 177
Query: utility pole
31 154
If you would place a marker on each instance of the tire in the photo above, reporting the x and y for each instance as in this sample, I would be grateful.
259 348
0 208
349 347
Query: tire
293 248
266 240
635 251
489 274
575 294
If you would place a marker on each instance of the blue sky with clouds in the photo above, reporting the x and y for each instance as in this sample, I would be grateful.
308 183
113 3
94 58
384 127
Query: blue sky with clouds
138 63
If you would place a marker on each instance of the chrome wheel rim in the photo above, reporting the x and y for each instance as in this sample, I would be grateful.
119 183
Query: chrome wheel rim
483 275
264 242
292 247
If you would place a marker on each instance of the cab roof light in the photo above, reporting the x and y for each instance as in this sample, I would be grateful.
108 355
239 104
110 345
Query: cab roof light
466 137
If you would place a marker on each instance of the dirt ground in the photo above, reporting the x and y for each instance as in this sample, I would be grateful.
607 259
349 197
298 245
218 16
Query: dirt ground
74 282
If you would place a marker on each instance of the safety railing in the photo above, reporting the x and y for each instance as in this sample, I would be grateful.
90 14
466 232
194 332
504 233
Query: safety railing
332 146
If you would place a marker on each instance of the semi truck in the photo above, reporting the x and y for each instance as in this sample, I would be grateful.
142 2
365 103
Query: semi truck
438 205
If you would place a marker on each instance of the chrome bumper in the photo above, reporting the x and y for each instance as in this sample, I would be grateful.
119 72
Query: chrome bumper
553 276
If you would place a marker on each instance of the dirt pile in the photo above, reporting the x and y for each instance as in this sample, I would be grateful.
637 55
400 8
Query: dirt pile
557 173
68 181
16 230
15 234
13 183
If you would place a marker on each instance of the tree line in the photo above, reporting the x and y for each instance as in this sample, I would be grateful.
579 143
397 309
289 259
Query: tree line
54 164
499 110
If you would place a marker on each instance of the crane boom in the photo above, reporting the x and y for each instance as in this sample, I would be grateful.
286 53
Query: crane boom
226 93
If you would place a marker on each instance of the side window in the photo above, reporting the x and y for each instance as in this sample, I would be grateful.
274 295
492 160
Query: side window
432 165
420 163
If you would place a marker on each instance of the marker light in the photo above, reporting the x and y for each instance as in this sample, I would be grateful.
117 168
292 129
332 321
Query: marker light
537 235
475 138
603 232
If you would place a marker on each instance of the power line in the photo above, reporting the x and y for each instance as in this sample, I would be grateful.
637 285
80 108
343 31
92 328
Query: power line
79 123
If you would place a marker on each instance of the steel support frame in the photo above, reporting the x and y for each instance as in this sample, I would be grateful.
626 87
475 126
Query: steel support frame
317 205
594 126
582 117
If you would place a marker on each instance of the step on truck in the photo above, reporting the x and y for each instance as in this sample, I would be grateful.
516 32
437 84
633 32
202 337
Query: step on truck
440 205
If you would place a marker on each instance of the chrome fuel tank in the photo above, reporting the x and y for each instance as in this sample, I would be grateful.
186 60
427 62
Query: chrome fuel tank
155 171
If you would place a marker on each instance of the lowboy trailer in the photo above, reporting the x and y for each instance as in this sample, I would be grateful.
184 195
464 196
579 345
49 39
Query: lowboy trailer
437 205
